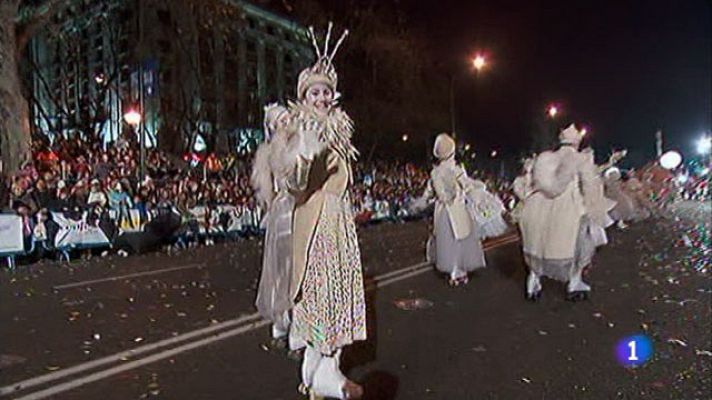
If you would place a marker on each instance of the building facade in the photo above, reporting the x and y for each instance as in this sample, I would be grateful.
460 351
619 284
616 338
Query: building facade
193 69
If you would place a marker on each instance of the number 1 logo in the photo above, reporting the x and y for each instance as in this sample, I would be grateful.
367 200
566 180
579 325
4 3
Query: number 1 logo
632 356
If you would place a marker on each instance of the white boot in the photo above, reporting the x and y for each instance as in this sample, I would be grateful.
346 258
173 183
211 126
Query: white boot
280 328
533 286
328 380
577 289
310 363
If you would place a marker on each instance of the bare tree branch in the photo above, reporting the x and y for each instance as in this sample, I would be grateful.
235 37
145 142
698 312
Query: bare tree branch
39 18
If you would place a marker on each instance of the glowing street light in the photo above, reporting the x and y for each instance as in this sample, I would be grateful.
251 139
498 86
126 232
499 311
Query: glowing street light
479 62
99 79
467 147
132 117
552 111
494 153
584 131
404 138
704 145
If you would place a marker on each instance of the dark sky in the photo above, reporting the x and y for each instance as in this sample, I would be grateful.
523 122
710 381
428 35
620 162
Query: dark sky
624 68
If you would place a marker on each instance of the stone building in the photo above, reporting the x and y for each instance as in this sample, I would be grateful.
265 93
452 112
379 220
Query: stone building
194 69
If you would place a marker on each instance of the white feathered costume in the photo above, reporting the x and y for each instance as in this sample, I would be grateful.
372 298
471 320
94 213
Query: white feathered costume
273 173
563 219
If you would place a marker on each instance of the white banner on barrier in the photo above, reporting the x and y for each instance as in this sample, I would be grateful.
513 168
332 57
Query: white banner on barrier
77 233
11 234
235 223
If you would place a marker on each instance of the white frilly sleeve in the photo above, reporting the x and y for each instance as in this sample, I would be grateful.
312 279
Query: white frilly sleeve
422 202
596 203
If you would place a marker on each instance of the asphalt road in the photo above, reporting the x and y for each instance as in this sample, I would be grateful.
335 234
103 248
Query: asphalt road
182 326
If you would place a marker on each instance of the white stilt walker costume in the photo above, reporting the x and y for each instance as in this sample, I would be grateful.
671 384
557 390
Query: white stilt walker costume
328 290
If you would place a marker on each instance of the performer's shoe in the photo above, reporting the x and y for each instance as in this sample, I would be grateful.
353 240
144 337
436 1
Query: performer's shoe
534 297
296 355
303 389
459 281
314 396
276 345
577 296
352 390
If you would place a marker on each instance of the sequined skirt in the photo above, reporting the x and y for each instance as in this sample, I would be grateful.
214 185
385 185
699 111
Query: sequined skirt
331 311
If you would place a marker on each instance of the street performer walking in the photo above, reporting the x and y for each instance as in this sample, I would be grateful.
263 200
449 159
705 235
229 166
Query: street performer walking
563 219
272 178
328 290
458 248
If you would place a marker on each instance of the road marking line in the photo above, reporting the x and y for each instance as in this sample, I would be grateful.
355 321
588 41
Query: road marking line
399 271
122 355
51 391
128 276
380 281
425 267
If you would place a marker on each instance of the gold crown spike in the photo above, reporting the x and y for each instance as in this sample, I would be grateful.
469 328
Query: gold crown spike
323 54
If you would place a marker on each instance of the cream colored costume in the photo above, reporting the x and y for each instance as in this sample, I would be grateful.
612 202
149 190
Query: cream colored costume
273 175
625 209
563 218
523 186
458 249
327 284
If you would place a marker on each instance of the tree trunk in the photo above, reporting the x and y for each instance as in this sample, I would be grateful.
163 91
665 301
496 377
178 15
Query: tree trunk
15 135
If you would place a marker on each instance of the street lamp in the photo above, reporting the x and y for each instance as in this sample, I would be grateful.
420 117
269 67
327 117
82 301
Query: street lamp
404 138
552 111
494 153
132 117
478 62
467 147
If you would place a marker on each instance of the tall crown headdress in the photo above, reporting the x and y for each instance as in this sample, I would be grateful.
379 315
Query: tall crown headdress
323 70
570 135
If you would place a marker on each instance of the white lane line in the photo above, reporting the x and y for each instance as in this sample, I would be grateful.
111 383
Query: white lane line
381 281
425 267
404 276
51 391
28 383
398 272
127 276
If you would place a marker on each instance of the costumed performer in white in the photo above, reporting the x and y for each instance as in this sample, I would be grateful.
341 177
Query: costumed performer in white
624 211
273 175
522 186
563 220
328 289
458 247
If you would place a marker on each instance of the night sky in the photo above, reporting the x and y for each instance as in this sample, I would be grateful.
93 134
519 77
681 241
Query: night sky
624 68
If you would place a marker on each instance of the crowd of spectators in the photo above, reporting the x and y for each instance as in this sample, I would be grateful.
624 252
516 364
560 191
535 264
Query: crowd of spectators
81 178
